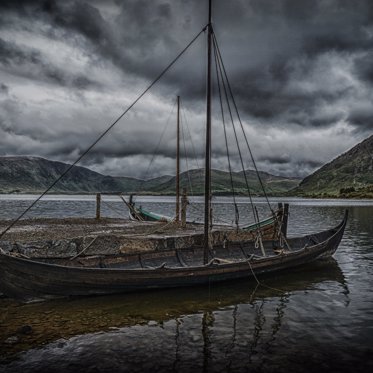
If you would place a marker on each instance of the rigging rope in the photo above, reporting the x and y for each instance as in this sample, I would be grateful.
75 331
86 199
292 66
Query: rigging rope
260 283
237 216
159 142
103 133
110 207
198 170
239 119
190 136
186 159
219 62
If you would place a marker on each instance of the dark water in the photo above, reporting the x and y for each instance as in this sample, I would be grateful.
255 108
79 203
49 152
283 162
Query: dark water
317 318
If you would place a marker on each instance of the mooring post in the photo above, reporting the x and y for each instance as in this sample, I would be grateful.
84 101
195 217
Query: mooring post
284 227
98 205
184 203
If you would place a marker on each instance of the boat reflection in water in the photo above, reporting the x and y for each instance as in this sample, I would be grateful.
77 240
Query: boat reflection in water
232 326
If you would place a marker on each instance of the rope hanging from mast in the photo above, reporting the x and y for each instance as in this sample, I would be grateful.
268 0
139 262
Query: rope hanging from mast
240 121
186 159
159 142
218 77
222 77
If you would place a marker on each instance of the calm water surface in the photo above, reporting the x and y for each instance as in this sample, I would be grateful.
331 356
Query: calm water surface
316 318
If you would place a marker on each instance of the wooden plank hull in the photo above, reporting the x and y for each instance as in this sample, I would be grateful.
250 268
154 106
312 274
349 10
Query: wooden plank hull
26 279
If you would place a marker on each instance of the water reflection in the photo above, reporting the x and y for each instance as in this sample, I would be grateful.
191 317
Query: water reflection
321 319
235 319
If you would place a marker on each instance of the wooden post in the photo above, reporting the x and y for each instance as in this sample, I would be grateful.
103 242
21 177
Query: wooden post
98 205
184 203
284 227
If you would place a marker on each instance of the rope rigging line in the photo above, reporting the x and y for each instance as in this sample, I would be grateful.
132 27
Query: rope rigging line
237 215
186 159
103 134
240 121
190 137
217 219
236 137
184 123
159 142
260 283
110 207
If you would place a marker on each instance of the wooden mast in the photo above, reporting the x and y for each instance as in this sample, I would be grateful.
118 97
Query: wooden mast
177 214
208 144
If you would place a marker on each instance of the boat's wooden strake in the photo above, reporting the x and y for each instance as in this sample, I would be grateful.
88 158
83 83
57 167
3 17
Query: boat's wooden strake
24 278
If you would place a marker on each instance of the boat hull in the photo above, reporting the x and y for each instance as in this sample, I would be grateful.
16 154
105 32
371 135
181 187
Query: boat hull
269 228
27 279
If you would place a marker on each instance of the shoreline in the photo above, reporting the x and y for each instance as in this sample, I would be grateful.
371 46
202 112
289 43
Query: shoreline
352 196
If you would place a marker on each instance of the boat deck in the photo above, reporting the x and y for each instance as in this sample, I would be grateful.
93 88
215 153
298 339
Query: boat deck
66 238
27 230
176 258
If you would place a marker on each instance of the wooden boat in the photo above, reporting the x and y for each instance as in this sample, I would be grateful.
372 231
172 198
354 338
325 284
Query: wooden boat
194 265
270 223
28 279
139 214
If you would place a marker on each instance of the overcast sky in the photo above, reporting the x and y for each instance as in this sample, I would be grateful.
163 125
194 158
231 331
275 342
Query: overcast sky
301 72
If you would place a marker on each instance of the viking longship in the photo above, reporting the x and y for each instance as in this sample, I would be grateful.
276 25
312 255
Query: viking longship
189 266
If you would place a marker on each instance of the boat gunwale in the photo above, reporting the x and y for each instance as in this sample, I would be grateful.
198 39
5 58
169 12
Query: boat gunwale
211 264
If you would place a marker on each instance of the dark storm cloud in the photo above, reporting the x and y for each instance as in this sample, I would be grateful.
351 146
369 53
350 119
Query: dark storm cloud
10 54
78 17
294 65
4 89
139 40
284 159
362 118
364 68
296 32
30 63
287 161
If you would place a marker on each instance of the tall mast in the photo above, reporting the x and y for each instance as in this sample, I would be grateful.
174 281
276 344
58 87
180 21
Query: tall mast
178 163
208 144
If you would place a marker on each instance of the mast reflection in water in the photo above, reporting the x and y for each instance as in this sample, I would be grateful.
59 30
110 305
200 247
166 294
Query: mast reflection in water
224 328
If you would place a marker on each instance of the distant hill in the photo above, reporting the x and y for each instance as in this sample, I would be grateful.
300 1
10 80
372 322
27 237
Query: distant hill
349 175
34 175
221 184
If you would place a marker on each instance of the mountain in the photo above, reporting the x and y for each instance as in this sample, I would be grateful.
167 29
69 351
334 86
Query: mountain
349 175
129 185
221 184
34 175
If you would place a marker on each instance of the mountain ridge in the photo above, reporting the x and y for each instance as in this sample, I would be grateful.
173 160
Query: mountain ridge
30 174
348 175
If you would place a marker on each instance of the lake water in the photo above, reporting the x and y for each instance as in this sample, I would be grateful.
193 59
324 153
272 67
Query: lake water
316 318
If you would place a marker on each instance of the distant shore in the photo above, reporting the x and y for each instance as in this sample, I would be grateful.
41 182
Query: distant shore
352 195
